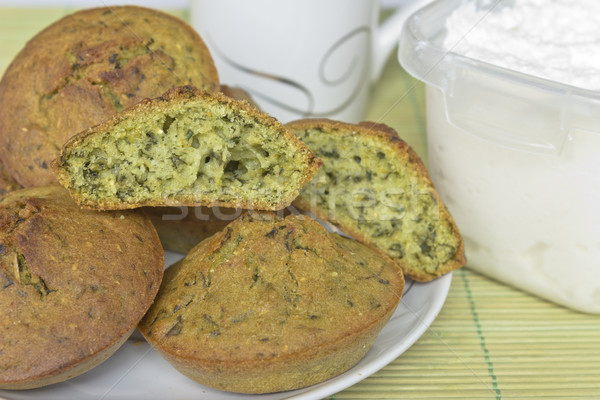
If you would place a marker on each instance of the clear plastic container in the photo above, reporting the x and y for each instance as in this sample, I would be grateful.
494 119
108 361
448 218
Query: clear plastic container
517 161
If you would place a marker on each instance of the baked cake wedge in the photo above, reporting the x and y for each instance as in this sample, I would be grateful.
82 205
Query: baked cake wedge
186 148
374 187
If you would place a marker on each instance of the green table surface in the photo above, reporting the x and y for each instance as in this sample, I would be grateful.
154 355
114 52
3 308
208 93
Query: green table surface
490 341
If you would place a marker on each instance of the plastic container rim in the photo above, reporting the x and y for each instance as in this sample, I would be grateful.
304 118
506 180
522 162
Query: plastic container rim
412 38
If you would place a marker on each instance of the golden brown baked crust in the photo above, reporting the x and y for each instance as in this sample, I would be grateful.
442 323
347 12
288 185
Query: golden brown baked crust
73 284
287 153
7 183
393 202
239 94
181 228
82 70
271 304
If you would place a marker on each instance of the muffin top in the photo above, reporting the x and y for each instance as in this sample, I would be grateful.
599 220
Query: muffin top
85 68
72 282
269 288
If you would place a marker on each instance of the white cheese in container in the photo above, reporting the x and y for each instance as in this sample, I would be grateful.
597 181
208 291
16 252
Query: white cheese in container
515 156
554 39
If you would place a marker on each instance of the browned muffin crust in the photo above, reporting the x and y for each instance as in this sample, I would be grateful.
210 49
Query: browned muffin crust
85 68
181 228
271 304
7 183
186 148
73 284
239 94
374 187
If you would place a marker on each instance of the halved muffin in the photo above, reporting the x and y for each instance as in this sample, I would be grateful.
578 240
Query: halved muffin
187 147
374 187
85 68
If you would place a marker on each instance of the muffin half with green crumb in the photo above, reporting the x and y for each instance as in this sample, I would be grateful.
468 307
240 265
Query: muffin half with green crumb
181 228
83 69
187 147
374 187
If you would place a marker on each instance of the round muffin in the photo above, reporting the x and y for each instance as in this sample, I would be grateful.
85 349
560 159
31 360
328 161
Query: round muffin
85 68
73 284
272 304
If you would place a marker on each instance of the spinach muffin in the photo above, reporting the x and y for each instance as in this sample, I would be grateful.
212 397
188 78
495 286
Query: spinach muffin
82 70
271 304
186 148
73 284
374 187
180 229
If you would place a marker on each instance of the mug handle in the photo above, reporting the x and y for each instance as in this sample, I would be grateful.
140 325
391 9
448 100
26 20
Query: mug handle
388 33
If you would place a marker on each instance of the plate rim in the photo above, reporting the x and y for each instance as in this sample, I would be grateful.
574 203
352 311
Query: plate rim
358 372
439 289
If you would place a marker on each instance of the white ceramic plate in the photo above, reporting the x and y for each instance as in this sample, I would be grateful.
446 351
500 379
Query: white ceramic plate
136 371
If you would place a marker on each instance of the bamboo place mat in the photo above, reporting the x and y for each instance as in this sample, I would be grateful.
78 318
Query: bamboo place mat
489 341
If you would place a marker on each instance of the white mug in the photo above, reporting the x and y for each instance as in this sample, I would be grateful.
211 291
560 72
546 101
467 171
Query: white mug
300 58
